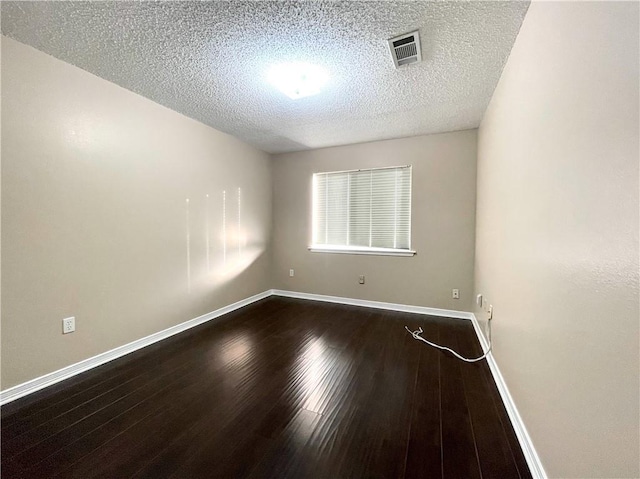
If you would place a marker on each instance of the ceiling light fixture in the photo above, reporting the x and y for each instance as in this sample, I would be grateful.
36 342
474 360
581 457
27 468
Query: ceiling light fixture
297 80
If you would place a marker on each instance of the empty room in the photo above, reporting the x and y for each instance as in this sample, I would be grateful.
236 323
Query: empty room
320 239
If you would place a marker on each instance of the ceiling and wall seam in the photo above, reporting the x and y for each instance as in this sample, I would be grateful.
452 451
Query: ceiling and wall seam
209 61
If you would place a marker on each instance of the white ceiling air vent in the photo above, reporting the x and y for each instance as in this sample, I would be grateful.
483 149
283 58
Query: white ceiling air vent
405 49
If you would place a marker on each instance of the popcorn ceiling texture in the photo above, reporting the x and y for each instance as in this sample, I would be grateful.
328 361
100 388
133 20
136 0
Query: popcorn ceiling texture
208 60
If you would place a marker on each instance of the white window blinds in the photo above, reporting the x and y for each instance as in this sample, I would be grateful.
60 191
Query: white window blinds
362 209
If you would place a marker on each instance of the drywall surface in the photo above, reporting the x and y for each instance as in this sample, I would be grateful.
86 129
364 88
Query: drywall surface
211 61
443 223
105 215
557 234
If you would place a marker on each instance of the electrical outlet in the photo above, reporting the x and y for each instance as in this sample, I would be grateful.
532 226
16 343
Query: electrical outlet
361 279
490 312
68 325
291 273
455 293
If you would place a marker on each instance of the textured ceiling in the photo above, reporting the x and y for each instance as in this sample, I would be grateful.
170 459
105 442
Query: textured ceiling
209 60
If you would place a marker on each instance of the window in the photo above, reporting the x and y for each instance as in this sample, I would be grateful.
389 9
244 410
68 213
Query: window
363 211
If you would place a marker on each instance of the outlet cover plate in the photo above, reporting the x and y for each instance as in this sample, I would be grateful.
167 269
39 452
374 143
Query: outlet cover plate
68 325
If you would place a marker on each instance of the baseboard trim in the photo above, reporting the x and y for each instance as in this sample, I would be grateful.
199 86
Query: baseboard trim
29 387
533 460
529 451
405 308
531 456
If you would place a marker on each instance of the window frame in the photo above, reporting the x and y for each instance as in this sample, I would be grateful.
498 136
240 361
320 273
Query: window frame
361 250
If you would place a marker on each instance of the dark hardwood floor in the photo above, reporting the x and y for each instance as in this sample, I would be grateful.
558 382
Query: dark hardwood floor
280 388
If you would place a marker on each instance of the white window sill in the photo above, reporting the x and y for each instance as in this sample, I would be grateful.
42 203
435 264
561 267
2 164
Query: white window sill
361 250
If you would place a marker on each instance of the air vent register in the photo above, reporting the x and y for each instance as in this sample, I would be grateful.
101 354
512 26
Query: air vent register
405 49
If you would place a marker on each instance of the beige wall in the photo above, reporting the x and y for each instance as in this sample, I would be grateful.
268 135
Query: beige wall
557 234
94 215
443 223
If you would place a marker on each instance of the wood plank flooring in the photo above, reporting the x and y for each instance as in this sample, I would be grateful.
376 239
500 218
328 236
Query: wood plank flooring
281 388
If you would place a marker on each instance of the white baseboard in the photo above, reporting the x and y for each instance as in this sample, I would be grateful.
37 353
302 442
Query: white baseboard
533 461
405 308
530 454
21 390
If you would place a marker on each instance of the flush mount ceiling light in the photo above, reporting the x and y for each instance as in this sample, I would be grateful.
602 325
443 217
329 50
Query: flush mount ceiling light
297 80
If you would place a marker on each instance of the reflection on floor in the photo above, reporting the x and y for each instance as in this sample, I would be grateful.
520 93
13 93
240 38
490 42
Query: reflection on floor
280 388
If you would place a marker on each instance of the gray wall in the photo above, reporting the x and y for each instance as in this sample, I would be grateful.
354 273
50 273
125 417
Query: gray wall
443 223
94 215
557 233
